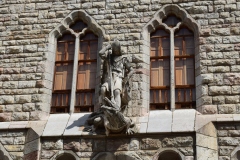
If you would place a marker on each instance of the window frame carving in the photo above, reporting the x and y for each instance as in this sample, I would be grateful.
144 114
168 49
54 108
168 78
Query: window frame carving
61 29
155 23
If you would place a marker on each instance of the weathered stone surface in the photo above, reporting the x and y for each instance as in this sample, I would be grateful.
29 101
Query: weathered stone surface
227 109
46 154
56 124
177 142
14 148
224 151
52 145
20 116
183 120
206 141
228 141
157 125
209 109
219 90
117 144
149 143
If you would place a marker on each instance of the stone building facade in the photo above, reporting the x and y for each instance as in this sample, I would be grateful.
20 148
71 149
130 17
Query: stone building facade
29 32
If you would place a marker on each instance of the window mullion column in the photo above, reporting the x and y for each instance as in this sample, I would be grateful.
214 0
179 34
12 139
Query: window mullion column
172 70
74 79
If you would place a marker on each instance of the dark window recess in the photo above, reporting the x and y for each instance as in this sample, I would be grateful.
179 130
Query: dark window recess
184 67
62 83
86 78
160 70
78 26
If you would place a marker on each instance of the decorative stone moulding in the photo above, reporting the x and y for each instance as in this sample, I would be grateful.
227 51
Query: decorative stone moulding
65 153
156 22
73 17
166 10
234 153
170 150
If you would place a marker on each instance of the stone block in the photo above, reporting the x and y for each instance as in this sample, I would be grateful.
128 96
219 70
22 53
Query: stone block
228 141
13 108
232 99
206 141
20 116
30 48
219 90
19 140
235 90
218 69
4 125
7 140
183 120
159 121
134 144
143 127
150 144
231 78
32 146
28 107
14 49
22 99
177 141
225 150
206 153
52 144
227 109
76 124
56 124
18 124
209 109
5 117
14 148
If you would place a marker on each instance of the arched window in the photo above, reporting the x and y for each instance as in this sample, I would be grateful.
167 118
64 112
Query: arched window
75 70
172 84
169 155
66 156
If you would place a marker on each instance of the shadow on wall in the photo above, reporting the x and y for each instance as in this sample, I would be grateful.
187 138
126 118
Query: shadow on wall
78 123
2 156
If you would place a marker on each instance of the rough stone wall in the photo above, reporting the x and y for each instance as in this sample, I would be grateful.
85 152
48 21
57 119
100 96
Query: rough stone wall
145 148
25 92
228 139
13 142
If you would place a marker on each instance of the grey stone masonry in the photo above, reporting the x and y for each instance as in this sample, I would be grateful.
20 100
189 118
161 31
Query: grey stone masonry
25 69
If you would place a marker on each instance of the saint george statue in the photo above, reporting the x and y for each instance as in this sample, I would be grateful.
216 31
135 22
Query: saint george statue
115 91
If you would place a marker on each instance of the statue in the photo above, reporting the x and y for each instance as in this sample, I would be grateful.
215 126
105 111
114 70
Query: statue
114 92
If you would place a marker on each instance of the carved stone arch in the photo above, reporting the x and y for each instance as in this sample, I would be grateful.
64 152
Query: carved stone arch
168 150
68 154
235 154
4 155
73 17
58 31
156 21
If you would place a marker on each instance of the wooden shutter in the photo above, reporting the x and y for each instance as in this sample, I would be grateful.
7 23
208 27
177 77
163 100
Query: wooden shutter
160 71
87 65
62 83
184 69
